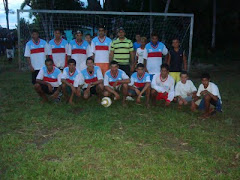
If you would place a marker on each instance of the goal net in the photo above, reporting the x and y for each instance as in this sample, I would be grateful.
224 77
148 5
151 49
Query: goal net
167 26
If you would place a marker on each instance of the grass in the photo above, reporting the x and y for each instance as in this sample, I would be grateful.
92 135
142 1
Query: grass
88 141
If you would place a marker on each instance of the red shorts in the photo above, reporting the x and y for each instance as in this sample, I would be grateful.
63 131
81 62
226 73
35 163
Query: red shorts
161 96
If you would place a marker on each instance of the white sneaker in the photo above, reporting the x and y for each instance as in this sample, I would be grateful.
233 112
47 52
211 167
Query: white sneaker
129 98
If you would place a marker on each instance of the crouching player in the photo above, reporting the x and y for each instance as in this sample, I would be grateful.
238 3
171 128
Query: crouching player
93 80
114 80
71 77
140 84
185 91
162 86
48 81
208 97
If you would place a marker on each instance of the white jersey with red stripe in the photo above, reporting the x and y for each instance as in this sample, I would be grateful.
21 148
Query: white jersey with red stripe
80 53
110 79
58 52
153 55
139 82
166 85
70 77
53 78
101 49
37 53
90 78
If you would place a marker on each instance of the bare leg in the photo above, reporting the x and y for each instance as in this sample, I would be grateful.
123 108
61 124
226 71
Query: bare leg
154 96
109 91
180 103
99 90
64 87
148 91
193 106
125 93
38 89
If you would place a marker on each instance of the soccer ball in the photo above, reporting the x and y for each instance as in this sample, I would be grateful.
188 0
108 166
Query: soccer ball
106 102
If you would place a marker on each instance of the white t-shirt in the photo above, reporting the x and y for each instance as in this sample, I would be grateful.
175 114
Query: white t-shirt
184 89
139 54
212 88
162 86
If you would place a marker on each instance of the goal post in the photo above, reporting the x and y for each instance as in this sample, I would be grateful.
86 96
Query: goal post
167 25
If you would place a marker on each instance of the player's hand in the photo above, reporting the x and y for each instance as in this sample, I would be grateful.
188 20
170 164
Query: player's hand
115 84
203 93
117 96
31 68
165 93
137 91
138 100
50 88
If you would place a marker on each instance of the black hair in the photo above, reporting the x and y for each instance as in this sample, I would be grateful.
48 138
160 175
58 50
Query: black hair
140 65
90 58
154 34
113 63
166 66
35 31
205 75
48 60
138 33
184 72
176 38
101 27
88 35
71 61
58 29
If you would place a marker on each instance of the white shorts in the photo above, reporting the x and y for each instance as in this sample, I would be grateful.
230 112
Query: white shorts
10 53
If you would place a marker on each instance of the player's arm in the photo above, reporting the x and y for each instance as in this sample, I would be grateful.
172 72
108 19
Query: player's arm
99 76
111 55
184 62
206 92
168 58
147 85
171 92
27 55
145 54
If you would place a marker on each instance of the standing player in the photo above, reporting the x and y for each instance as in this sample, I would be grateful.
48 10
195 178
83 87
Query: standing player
101 48
114 80
140 50
176 59
93 80
36 51
140 84
48 81
137 44
71 79
79 50
208 97
162 86
58 48
153 55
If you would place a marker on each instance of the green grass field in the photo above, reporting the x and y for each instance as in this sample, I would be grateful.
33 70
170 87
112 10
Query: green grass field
88 141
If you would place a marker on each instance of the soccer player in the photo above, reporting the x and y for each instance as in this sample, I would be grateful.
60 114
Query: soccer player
140 50
185 91
208 97
176 59
116 79
122 52
48 81
71 79
162 86
79 50
93 80
88 38
36 52
140 84
153 55
137 44
58 48
101 48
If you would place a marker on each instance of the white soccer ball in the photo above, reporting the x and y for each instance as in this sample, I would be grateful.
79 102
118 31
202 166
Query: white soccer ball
106 101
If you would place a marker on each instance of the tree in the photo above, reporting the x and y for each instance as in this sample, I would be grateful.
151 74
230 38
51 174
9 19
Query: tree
5 2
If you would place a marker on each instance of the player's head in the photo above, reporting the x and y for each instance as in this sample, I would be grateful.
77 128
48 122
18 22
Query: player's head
49 64
57 33
184 76
114 66
143 41
164 70
205 78
88 38
154 38
140 68
121 32
101 30
71 64
138 37
90 62
175 43
78 35
35 34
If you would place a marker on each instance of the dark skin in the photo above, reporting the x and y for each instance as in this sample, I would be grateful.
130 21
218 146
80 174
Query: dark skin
108 90
147 88
98 83
75 90
35 38
154 93
176 46
79 40
207 97
121 36
58 36
39 90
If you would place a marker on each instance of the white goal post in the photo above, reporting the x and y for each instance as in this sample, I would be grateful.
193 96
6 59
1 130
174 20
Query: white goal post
167 25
